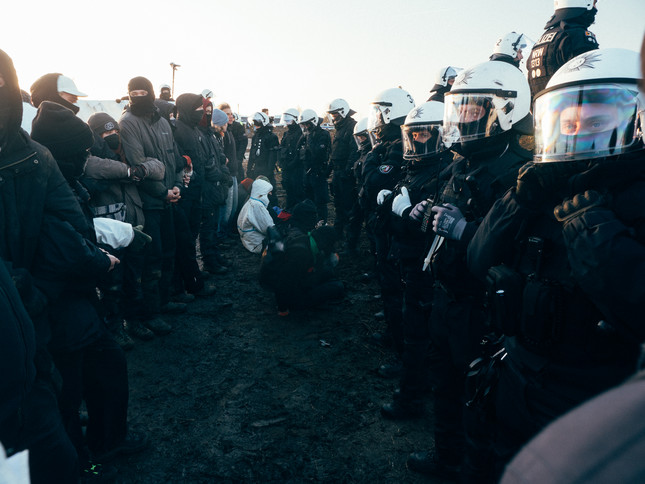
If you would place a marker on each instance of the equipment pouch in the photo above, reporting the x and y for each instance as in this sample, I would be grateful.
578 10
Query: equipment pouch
504 294
115 211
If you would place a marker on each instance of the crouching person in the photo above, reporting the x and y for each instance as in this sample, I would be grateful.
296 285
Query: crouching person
300 269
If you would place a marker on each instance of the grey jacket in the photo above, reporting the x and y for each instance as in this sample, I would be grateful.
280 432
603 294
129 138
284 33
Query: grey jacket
108 183
145 137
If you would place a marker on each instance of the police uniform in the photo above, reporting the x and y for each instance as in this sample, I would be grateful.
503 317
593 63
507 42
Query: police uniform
568 296
342 183
561 42
313 150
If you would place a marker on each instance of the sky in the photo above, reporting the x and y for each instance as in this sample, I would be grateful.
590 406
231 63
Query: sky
278 54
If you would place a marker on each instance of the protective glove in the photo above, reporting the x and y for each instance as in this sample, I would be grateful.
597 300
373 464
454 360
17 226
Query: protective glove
580 203
529 188
140 238
448 221
419 210
401 202
382 195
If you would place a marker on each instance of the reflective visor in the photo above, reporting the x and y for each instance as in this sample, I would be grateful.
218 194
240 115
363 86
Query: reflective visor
582 122
421 140
472 114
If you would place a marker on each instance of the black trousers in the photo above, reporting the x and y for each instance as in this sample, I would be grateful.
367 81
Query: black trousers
96 374
159 259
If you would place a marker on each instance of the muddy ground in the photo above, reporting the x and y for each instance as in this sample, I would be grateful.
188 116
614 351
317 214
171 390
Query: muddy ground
238 394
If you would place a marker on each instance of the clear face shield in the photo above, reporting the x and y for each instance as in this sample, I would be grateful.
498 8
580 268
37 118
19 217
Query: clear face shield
361 139
469 116
288 119
583 122
378 117
421 140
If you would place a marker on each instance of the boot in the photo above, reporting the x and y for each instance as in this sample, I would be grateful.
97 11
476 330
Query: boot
402 408
138 330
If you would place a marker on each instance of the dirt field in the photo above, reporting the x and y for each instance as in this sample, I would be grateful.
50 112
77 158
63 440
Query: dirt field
237 394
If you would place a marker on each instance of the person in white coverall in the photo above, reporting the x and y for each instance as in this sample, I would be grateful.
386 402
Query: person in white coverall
255 219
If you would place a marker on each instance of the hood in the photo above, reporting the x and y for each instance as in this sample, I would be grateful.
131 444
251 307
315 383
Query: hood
260 191
10 102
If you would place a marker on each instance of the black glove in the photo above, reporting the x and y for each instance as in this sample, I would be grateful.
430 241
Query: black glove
580 203
140 238
529 189
138 173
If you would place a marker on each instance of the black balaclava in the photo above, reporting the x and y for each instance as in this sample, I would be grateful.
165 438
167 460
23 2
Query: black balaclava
66 136
165 94
186 106
10 103
141 105
46 89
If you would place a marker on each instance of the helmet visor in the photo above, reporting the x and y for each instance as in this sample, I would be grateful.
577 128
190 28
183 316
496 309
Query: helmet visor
582 122
421 140
472 115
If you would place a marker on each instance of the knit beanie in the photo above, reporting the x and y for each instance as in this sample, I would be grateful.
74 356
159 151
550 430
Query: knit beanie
58 128
102 122
220 118
304 215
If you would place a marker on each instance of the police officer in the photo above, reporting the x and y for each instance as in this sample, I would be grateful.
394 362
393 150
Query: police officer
381 173
264 151
425 157
357 158
510 48
572 321
485 108
444 80
313 148
566 36
342 183
293 175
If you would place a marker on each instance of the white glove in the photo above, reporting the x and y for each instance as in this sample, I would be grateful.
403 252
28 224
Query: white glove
380 198
448 221
401 202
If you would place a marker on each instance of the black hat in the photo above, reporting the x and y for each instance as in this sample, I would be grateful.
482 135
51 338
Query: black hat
304 215
58 128
102 122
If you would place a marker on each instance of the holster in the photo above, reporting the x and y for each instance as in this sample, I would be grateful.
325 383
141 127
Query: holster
504 294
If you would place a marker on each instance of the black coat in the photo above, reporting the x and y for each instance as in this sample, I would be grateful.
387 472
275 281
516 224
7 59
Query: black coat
342 147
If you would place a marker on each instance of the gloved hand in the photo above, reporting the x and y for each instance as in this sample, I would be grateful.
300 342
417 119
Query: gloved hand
529 188
401 202
140 238
418 211
448 221
382 195
138 173
578 205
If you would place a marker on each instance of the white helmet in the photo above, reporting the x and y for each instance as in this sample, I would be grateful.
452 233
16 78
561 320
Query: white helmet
511 43
341 107
289 116
236 117
587 4
260 119
485 100
207 94
360 129
164 86
591 108
308 116
391 106
444 75
421 132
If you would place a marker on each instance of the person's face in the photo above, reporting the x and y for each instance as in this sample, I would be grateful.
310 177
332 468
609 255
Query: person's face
138 93
105 134
421 136
520 56
336 117
70 98
469 113
228 112
588 119
209 110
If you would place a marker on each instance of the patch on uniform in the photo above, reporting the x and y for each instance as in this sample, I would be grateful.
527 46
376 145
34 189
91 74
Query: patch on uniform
583 61
416 112
464 76
385 169
548 37
590 37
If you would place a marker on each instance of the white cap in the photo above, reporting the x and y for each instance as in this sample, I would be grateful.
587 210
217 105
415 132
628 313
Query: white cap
65 84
